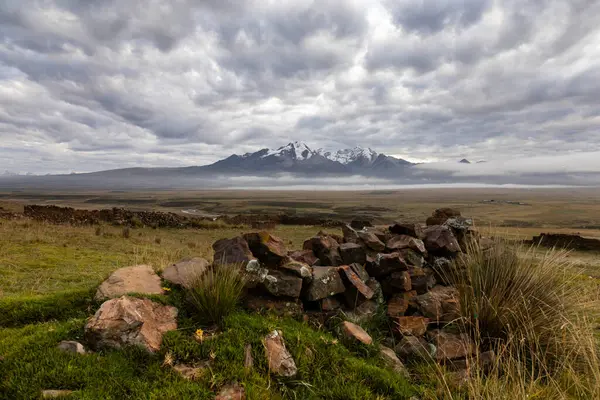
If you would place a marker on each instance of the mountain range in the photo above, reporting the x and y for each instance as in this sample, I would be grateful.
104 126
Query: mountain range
299 158
295 159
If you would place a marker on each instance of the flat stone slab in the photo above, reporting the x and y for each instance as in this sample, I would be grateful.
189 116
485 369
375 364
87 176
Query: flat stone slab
136 279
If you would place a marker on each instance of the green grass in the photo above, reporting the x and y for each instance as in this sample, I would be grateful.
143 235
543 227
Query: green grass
217 292
37 258
327 370
48 275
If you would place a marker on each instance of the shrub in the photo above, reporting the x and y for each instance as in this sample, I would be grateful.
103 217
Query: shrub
528 307
216 293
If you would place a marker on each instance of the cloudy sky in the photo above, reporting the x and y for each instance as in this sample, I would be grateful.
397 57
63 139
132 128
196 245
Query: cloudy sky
89 85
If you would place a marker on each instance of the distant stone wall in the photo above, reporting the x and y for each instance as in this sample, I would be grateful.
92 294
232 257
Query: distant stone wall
121 216
574 242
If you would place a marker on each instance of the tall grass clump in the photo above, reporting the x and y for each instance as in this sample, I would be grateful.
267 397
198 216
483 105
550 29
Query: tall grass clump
216 293
527 305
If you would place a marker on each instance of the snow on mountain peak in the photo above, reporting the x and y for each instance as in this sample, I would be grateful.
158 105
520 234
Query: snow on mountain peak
297 150
300 151
346 156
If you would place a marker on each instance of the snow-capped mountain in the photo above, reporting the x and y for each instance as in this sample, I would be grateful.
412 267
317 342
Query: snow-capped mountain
298 157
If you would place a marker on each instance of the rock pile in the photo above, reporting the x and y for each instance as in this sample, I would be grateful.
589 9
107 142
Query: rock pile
399 267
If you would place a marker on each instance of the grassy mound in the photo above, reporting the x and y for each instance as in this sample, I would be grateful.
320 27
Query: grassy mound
327 369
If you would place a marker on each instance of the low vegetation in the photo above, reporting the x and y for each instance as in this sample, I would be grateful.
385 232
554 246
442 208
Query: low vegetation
529 308
216 293
527 305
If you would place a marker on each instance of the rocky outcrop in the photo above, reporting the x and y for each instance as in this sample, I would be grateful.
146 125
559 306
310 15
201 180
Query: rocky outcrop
401 242
451 346
232 251
130 321
353 253
412 325
355 333
371 241
269 249
326 249
440 304
185 272
304 256
326 282
136 279
441 215
440 240
69 346
279 359
399 270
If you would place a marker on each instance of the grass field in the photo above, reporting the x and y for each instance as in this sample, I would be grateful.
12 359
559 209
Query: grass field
48 274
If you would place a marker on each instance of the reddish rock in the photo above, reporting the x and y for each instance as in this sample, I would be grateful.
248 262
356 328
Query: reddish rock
441 215
390 359
330 304
279 359
304 256
371 241
353 253
326 249
412 347
130 321
414 230
422 279
412 326
326 282
354 332
440 304
399 281
135 279
401 242
232 251
400 302
381 235
385 264
269 249
185 272
231 392
451 345
350 235
354 281
440 240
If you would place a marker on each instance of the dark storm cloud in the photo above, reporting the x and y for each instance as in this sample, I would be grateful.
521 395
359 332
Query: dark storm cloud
87 85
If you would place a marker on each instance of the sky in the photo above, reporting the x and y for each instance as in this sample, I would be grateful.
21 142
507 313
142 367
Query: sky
92 85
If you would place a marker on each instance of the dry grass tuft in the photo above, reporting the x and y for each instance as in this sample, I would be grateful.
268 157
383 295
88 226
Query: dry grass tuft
529 308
